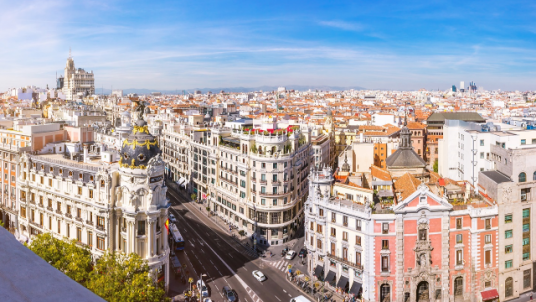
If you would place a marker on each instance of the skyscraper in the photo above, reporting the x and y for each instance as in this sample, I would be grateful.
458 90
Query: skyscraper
77 81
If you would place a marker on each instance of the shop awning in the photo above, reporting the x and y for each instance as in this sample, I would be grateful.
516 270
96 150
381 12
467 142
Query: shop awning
356 287
343 282
181 180
318 271
489 294
330 277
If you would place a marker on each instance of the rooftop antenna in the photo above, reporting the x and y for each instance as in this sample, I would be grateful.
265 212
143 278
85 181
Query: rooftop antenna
70 56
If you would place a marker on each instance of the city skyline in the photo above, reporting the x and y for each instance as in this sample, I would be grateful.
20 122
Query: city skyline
168 46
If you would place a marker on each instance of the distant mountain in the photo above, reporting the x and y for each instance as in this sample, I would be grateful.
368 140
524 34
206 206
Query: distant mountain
142 91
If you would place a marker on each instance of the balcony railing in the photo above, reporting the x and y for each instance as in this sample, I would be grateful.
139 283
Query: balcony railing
68 215
345 261
100 227
89 222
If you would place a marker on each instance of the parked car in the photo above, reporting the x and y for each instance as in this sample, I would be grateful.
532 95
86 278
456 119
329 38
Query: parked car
303 253
290 255
172 218
228 294
259 275
202 288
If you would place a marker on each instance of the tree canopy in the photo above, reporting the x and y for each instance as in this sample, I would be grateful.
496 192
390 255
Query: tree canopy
66 256
113 277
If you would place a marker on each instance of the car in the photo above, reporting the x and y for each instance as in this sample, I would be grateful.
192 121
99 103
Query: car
300 299
259 275
290 255
202 288
228 294
172 218
303 253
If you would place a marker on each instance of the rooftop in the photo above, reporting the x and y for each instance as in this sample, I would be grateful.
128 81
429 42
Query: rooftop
497 176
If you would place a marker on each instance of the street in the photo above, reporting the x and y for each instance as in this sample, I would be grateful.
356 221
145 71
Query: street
211 251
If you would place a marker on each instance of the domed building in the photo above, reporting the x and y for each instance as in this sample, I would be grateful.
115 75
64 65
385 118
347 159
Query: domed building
114 205
405 159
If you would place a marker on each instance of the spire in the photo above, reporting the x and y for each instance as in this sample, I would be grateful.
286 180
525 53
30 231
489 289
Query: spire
70 56
345 166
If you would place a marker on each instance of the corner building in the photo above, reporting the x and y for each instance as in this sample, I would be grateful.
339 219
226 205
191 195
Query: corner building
423 249
105 206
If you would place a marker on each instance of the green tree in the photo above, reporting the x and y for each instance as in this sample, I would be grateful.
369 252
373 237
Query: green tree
436 166
121 277
194 196
66 256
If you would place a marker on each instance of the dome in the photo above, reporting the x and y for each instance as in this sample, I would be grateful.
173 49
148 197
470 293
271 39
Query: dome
139 147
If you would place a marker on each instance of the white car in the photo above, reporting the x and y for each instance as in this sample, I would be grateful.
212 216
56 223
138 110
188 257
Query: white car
202 288
259 276
290 255
172 218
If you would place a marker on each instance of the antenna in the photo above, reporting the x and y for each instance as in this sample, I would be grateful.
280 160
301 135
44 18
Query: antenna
70 56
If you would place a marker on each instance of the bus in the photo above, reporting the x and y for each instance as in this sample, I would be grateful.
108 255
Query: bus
177 241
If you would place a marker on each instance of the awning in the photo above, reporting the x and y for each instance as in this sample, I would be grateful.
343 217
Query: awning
356 287
330 277
343 282
181 180
489 294
318 271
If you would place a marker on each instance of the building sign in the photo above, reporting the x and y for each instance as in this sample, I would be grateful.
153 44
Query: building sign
156 179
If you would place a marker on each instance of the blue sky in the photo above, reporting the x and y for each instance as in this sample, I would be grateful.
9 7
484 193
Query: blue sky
399 45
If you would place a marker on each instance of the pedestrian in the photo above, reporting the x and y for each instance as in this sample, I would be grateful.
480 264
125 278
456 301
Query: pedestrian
530 296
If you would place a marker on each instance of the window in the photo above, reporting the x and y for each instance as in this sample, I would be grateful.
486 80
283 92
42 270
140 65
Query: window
79 234
90 193
534 175
79 212
79 190
358 240
481 155
488 224
23 212
90 239
242 194
333 232
333 217
526 227
508 218
263 201
526 241
487 257
526 213
525 194
358 258
385 244
481 142
358 224
68 228
345 220
275 165
321 212
523 141
141 227
319 243
100 243
312 226
345 236
508 234
526 256
458 223
487 239
508 249
274 202
319 228
522 177
459 257
59 227
243 183
459 238
526 278
508 263
385 263
100 221
385 228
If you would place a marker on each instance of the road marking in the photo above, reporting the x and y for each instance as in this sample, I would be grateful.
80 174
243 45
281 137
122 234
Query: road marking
212 262
245 269
277 298
285 291
289 295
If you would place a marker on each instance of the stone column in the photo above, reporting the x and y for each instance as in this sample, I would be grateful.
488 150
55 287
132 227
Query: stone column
150 238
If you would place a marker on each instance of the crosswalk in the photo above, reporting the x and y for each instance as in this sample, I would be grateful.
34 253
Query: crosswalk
252 294
280 265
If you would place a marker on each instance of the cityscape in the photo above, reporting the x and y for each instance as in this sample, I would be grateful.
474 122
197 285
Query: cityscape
282 182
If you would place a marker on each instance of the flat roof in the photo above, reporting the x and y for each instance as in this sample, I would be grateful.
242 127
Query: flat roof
497 176
27 277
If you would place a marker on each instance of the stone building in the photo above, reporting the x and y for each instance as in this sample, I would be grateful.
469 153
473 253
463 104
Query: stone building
77 82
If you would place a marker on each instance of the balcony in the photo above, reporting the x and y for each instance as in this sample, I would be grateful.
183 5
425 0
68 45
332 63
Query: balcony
79 219
123 229
50 209
40 205
346 261
100 228
32 202
58 211
68 215
89 222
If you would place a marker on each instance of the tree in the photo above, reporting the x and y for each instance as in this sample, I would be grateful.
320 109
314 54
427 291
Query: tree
194 196
436 166
66 256
122 277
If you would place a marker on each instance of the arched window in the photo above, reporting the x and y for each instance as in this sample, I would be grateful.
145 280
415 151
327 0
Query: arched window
509 287
522 177
534 176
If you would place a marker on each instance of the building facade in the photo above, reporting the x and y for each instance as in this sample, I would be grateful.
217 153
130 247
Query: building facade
77 81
